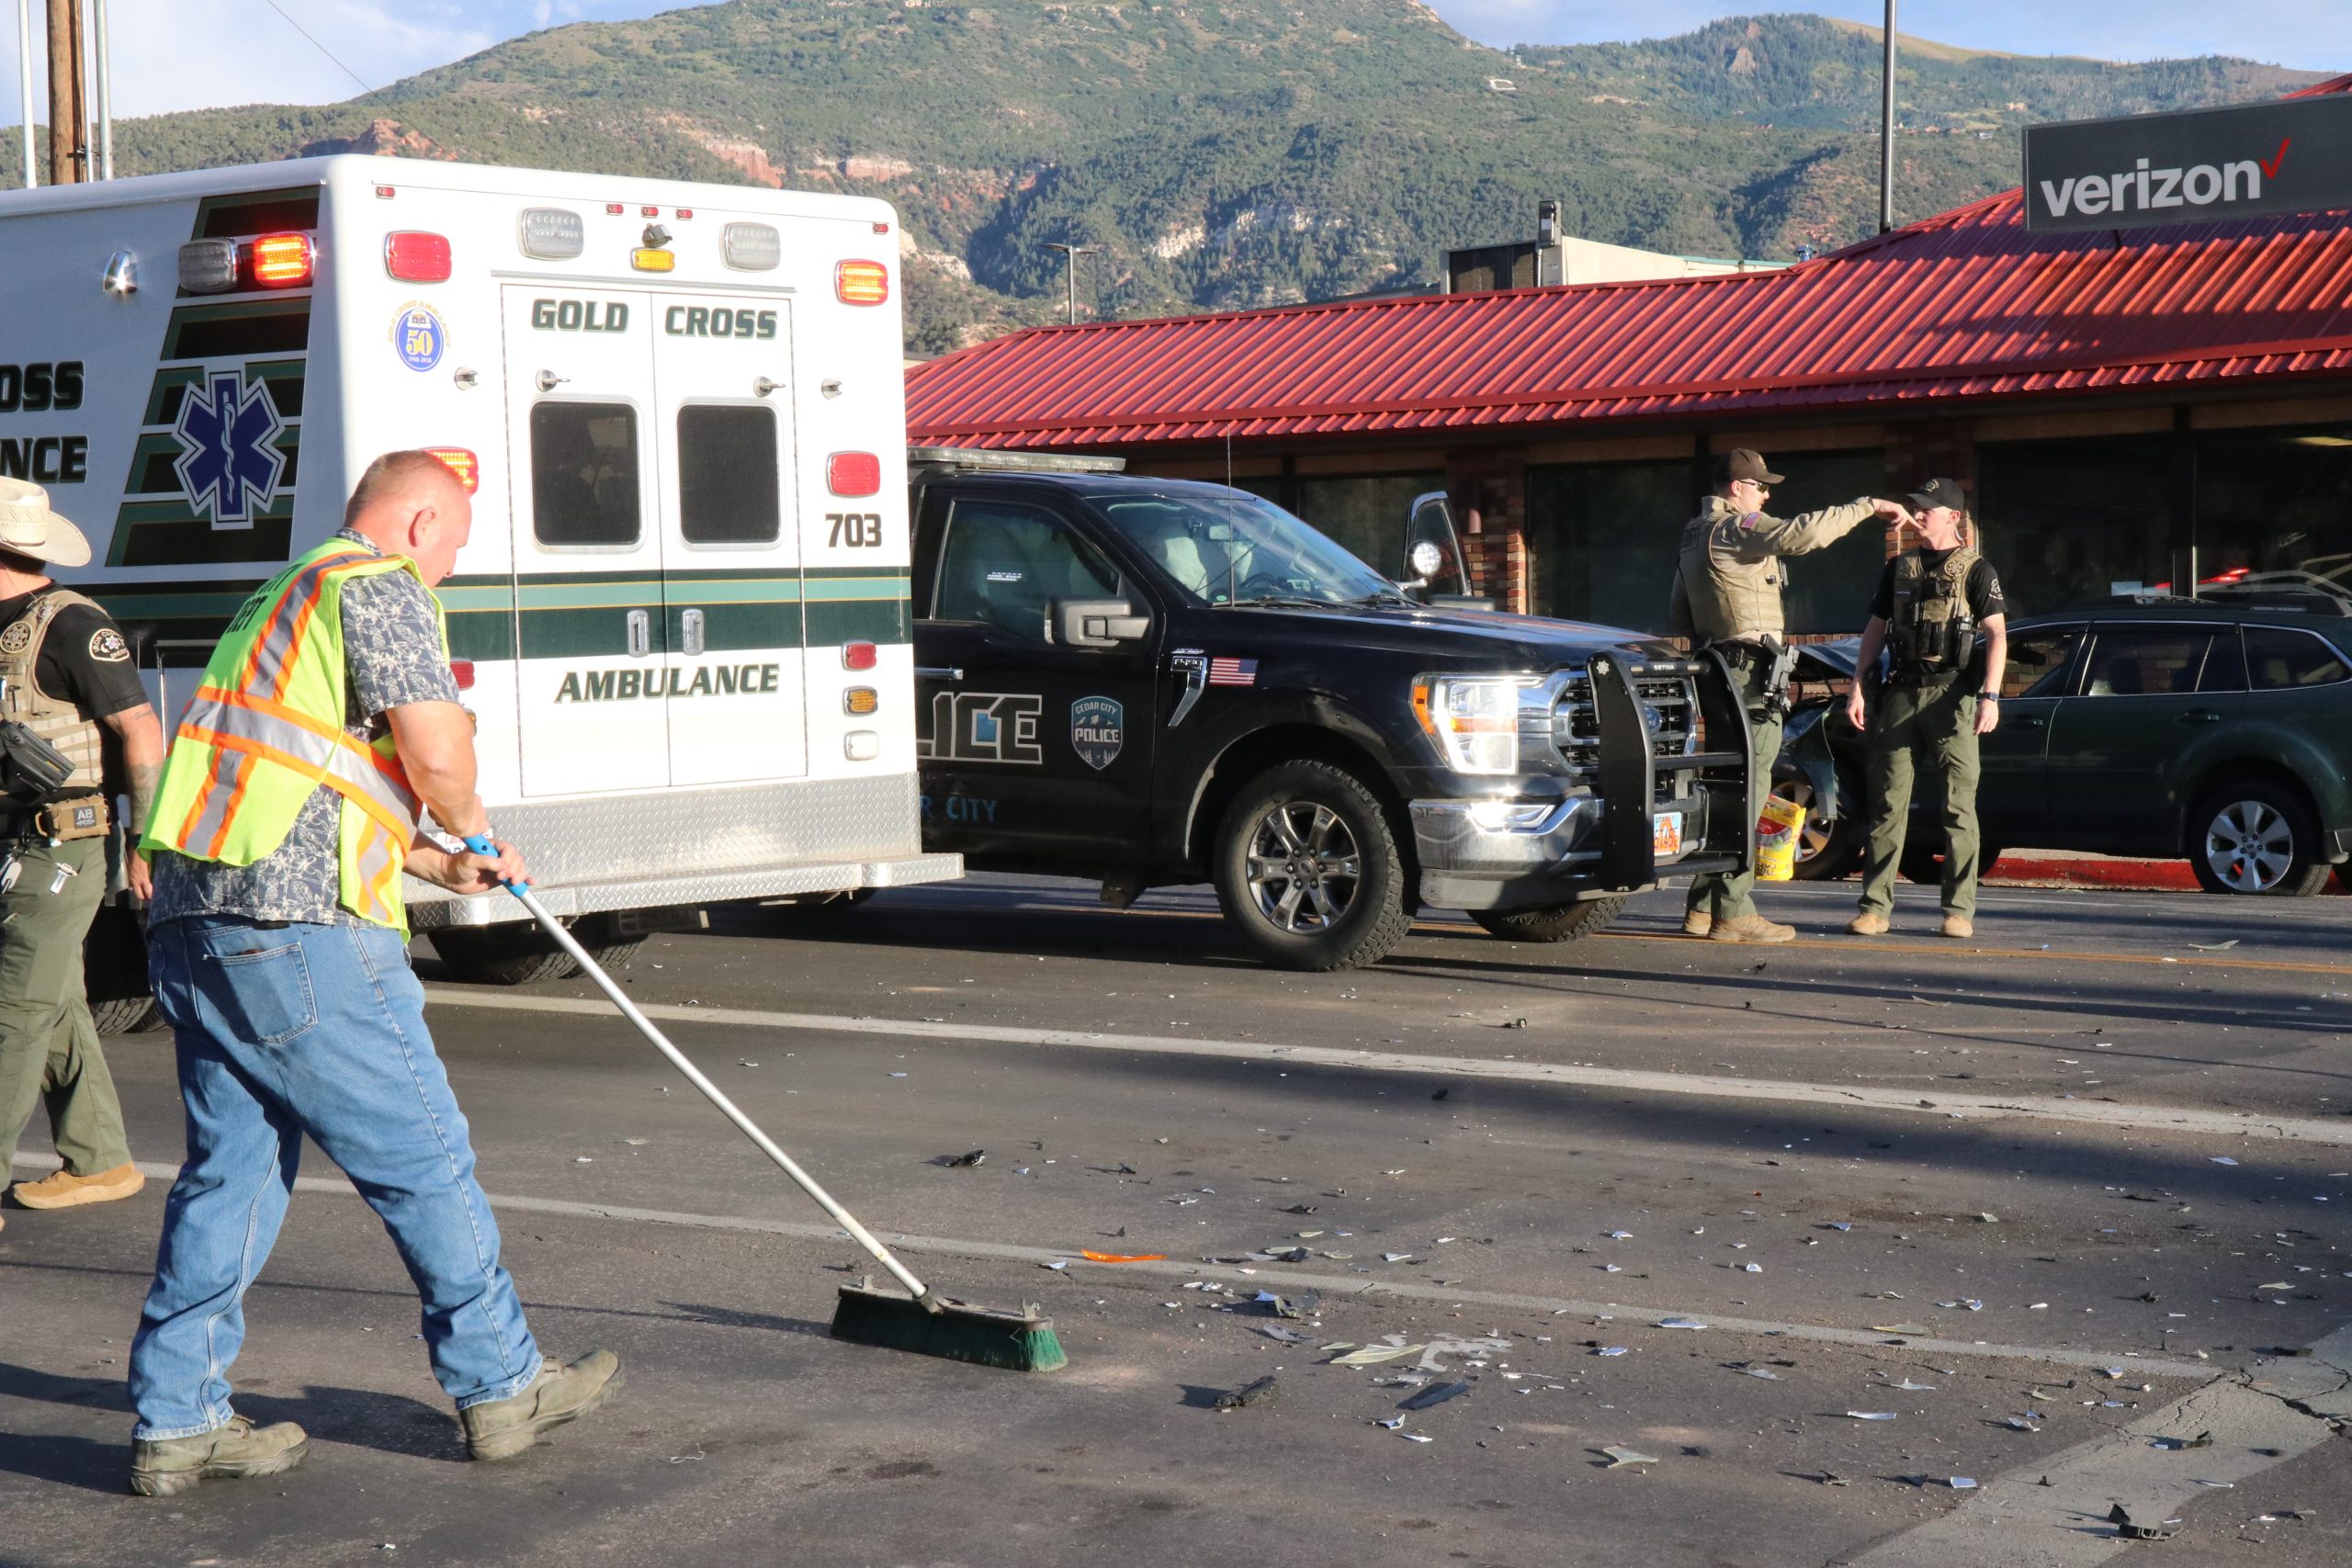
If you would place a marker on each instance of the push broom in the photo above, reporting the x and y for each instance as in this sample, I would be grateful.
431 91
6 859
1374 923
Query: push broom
921 1320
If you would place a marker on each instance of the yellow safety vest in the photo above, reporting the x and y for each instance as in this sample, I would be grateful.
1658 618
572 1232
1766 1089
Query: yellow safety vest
265 729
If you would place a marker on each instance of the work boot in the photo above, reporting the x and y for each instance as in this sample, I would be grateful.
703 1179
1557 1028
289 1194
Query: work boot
505 1427
1749 928
162 1466
1870 922
63 1189
1959 925
1698 923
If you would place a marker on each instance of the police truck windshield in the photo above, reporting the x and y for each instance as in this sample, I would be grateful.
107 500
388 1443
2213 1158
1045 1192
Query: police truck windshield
1230 548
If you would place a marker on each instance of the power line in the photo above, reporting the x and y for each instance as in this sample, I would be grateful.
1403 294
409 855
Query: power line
364 90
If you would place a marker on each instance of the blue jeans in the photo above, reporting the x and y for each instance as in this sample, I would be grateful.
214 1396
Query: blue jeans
317 1030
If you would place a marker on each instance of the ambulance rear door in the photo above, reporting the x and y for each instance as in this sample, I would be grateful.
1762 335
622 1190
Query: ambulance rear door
724 432
586 448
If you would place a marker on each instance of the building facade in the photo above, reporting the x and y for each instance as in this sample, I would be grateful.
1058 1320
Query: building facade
2129 409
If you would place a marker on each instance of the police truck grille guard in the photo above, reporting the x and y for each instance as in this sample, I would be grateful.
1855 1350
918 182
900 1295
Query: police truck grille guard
1648 733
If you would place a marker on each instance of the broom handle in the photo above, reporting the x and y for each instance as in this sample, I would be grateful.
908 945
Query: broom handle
710 1090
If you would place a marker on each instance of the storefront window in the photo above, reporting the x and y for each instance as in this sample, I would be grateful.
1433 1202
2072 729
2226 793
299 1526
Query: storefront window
2075 522
1606 538
2275 505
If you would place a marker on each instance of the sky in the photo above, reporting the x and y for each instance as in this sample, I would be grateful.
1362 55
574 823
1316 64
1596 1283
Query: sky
181 54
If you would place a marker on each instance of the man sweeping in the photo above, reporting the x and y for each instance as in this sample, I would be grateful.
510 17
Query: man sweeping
327 724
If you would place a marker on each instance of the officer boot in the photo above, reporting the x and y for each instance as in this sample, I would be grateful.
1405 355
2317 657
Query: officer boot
1751 927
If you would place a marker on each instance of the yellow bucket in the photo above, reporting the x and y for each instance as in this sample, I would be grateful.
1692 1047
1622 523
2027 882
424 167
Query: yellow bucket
1776 839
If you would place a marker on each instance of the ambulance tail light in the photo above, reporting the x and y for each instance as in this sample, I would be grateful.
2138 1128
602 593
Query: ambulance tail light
854 473
462 672
283 261
862 282
208 266
859 656
462 463
413 256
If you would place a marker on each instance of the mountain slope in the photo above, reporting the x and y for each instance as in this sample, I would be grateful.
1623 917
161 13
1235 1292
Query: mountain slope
1220 153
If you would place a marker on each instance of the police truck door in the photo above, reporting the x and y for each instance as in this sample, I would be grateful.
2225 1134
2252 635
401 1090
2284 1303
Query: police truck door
723 381
583 458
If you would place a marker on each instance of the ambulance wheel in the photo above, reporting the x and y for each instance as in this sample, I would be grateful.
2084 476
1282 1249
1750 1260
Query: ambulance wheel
515 953
1307 870
610 950
126 1015
1550 923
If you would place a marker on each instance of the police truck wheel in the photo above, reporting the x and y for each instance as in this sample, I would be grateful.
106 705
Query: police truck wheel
2251 835
1308 870
126 1015
1550 923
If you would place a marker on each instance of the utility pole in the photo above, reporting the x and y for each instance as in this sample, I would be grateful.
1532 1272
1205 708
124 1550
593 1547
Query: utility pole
69 116
1071 277
25 83
102 77
1886 134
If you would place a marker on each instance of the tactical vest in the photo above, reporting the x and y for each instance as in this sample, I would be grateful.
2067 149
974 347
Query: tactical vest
1729 598
59 723
1932 631
265 729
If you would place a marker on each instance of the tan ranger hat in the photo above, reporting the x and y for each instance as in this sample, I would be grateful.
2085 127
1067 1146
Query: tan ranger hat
28 528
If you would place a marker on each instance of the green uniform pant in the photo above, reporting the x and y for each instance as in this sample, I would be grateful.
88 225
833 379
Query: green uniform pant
49 1050
1911 726
1726 898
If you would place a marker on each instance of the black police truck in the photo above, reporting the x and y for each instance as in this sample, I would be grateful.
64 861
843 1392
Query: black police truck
1150 681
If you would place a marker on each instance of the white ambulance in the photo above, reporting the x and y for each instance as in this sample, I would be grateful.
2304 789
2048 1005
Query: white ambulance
681 622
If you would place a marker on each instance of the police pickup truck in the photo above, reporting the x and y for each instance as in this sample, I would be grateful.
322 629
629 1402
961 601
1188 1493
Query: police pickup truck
1152 681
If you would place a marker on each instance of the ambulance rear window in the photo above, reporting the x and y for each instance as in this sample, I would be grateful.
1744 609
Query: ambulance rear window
584 474
727 474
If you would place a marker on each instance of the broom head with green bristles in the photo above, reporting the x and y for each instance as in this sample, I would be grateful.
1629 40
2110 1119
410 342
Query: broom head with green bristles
989 1337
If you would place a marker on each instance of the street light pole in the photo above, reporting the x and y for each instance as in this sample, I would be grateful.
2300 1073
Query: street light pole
1070 276
102 73
1886 134
25 83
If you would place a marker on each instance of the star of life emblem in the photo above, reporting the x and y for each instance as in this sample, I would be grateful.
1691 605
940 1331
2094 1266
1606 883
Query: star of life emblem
229 462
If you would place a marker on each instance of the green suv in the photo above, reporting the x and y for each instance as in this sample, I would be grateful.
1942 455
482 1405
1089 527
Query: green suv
2216 731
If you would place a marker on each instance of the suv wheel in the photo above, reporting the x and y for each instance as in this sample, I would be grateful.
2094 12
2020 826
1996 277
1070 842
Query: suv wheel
1551 922
2254 835
1308 870
1826 848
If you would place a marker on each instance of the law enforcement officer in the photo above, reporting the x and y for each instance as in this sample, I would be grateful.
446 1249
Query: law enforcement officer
1933 703
1727 588
70 682
327 723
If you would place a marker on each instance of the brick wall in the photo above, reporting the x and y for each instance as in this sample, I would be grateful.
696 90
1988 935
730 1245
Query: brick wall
1489 489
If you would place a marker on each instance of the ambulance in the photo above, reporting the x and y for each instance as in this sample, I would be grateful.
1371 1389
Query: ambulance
681 622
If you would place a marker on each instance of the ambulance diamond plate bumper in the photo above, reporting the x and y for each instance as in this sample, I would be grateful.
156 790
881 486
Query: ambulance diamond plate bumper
707 845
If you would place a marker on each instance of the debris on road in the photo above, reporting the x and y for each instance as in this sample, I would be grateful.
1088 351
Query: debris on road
1093 1256
1619 1458
961 1162
1871 1415
1679 1323
1265 1391
1374 1355
2142 1525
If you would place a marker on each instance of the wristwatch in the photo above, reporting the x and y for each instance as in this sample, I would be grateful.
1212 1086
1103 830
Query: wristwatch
1988 697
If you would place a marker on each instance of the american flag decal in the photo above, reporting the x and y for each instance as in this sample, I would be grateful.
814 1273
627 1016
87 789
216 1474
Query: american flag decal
1233 671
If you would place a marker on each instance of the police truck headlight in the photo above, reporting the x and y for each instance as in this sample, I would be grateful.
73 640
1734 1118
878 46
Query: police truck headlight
1474 720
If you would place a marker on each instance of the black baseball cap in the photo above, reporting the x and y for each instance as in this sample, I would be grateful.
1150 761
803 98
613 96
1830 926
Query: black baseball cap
1940 492
1743 464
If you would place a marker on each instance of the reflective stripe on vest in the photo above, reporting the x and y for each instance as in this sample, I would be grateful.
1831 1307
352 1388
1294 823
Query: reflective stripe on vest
266 729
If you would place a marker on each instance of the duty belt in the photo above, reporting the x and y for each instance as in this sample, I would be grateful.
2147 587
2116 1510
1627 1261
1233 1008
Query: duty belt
1918 676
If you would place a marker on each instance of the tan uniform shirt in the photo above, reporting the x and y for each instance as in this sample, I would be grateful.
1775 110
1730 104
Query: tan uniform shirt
1727 582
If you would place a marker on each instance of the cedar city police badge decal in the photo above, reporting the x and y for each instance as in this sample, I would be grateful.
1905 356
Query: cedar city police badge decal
1097 730
107 647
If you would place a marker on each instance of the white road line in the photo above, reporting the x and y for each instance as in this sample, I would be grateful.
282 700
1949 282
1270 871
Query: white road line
1627 1316
1970 1107
2048 1514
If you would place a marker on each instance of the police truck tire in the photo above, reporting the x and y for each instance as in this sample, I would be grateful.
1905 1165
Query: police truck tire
1551 922
1328 884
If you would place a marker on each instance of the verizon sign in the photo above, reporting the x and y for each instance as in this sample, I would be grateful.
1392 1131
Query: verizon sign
2204 166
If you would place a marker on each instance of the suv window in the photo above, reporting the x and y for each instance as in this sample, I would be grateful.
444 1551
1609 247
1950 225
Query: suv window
1004 564
2225 665
2140 662
583 475
727 474
2039 660
2280 658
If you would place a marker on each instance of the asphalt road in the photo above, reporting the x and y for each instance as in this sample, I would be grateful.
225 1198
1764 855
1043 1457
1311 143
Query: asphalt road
2047 1198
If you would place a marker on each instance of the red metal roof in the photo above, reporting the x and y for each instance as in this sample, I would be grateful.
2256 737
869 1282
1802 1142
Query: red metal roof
1964 305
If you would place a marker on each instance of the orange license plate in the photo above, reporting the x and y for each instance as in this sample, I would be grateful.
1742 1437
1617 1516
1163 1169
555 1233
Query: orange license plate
1666 834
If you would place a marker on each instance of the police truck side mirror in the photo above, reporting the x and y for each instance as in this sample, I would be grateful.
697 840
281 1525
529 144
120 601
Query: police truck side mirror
1097 623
